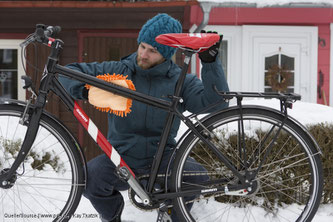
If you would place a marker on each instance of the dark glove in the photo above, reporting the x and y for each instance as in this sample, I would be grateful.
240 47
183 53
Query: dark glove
210 54
85 93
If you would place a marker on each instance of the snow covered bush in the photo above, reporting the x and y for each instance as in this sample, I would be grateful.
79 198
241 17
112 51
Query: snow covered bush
285 152
37 160
323 134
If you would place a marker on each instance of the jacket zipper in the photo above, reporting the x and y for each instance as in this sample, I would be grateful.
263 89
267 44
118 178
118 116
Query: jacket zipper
146 131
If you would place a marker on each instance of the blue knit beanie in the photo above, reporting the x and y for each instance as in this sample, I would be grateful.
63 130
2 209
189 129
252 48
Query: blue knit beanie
160 24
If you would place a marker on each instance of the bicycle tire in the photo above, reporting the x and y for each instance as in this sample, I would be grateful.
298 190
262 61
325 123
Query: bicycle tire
49 183
288 186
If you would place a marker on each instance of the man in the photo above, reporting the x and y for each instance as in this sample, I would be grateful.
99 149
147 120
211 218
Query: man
136 136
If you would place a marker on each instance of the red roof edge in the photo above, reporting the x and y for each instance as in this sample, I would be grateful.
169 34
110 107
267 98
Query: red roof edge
88 4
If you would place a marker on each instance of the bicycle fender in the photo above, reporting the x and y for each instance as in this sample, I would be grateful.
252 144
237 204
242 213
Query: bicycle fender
54 118
12 102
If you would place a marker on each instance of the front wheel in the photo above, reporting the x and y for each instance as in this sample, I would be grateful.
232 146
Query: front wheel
287 187
48 184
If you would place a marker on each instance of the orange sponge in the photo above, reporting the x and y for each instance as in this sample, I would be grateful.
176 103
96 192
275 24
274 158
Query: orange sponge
109 102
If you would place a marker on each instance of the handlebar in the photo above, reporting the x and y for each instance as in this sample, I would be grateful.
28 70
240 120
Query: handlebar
42 34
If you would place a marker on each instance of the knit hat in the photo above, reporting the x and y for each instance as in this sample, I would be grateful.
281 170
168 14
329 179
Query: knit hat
160 24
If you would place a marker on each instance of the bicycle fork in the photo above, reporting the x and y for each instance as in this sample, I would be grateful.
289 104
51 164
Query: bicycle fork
8 176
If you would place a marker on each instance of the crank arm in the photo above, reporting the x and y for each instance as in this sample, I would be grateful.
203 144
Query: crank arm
124 174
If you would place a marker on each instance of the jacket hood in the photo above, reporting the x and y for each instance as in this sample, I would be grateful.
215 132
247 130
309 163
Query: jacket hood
167 68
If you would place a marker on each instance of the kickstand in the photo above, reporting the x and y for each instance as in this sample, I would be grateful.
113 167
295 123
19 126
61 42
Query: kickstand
163 215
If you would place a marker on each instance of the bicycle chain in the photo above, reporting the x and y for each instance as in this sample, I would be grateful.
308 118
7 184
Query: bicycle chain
151 208
137 205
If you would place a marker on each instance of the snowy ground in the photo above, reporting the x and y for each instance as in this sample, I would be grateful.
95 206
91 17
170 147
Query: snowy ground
305 113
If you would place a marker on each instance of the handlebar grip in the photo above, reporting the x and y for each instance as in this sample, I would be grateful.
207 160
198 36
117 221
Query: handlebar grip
42 34
52 31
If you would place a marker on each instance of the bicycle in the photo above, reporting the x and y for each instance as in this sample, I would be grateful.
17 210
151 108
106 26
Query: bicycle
260 162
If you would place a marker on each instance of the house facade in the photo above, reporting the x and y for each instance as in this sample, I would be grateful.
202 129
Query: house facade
268 48
258 42
91 30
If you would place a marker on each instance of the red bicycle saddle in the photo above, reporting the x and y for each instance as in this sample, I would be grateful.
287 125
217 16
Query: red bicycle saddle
196 41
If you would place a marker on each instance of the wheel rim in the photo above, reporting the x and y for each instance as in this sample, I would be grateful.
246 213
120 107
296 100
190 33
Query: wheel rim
273 201
46 183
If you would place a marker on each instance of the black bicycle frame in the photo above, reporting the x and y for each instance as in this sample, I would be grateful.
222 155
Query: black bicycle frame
170 106
49 82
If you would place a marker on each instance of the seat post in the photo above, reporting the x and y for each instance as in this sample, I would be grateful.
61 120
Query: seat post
188 54
169 121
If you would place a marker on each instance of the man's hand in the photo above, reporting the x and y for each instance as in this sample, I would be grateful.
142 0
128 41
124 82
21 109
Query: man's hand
210 54
85 93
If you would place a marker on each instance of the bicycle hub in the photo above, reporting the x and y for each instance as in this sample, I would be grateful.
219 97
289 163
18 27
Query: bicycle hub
6 184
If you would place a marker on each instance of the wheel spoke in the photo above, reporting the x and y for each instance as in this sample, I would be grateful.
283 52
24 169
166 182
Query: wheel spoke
47 182
284 187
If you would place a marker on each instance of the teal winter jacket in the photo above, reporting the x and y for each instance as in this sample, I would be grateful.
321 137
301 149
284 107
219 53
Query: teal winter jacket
136 136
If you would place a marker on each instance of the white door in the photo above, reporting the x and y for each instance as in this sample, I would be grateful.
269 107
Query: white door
11 70
270 50
249 53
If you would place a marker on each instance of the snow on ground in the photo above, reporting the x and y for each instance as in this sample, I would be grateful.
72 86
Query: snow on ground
306 113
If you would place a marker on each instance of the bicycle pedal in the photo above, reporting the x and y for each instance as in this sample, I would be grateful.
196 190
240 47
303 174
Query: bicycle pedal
163 216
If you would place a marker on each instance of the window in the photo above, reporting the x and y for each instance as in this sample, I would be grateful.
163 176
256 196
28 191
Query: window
279 73
11 70
8 73
223 56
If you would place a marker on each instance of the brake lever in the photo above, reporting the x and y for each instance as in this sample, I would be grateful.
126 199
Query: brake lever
28 85
36 36
41 34
29 40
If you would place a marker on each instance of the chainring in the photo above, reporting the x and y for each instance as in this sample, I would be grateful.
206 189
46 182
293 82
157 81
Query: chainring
135 199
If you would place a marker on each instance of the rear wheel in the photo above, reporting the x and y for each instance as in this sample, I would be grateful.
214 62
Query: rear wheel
49 183
288 187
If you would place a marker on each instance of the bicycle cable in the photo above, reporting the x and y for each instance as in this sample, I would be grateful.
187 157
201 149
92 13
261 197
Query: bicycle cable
24 58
